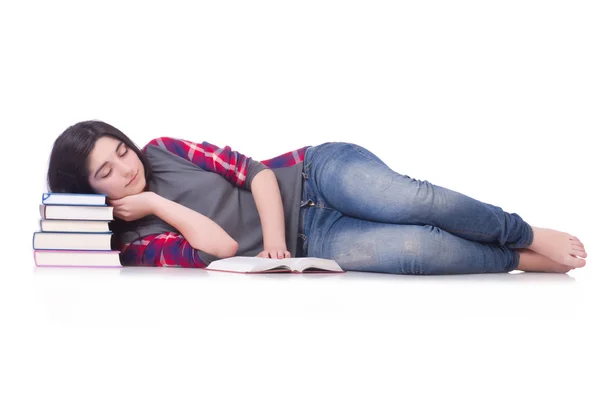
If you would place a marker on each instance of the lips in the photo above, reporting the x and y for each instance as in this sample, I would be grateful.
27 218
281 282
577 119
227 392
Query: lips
132 179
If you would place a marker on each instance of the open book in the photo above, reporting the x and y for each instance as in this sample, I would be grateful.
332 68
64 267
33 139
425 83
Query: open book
250 264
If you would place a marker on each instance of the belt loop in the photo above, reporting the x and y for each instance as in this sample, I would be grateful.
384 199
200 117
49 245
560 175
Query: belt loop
309 202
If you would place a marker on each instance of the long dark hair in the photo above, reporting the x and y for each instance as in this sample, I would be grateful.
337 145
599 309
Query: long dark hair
68 165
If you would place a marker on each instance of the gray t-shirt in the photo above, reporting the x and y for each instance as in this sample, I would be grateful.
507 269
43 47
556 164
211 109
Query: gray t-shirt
210 194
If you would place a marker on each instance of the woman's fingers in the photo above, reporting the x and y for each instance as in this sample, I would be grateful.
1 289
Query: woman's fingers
281 254
263 254
275 254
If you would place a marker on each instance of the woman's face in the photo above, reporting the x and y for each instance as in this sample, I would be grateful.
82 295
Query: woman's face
115 169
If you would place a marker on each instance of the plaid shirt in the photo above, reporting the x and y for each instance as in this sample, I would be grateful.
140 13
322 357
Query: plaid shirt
172 249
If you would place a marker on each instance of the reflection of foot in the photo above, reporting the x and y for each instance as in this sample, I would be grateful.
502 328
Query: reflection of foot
531 261
559 246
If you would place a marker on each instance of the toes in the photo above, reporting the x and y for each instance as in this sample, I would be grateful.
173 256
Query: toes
574 261
578 249
577 243
575 240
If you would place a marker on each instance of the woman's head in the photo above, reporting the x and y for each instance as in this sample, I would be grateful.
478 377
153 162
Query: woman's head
95 157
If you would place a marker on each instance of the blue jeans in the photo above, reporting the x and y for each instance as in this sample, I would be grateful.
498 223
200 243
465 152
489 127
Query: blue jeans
367 217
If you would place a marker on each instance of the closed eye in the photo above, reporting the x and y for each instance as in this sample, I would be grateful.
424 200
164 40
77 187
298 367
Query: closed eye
109 172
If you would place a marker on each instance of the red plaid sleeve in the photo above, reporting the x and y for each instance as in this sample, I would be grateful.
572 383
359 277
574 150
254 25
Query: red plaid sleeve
166 249
287 159
231 165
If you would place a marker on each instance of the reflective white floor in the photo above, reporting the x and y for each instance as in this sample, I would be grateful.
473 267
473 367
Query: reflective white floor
175 331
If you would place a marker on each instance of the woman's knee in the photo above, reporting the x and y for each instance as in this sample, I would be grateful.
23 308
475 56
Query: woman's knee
390 248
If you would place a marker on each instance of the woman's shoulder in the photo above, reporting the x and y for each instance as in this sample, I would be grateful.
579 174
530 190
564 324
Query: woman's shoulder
166 146
162 142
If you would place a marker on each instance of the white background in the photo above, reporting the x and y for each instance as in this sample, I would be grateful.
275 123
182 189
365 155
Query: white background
498 100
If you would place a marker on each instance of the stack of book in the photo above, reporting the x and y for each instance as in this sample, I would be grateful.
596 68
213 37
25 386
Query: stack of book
74 231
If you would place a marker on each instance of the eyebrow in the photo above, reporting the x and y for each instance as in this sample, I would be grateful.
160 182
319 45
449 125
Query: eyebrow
106 162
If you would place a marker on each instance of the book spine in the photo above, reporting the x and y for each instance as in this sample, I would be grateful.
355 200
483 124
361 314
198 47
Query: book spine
73 249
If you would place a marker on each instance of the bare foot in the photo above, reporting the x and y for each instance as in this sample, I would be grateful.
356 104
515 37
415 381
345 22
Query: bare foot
561 247
530 261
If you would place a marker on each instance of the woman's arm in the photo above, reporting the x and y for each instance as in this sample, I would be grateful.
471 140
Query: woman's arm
166 249
267 197
200 231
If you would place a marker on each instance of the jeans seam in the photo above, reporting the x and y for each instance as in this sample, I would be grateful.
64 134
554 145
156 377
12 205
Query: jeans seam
357 149
468 231
306 176
322 206
517 258
530 235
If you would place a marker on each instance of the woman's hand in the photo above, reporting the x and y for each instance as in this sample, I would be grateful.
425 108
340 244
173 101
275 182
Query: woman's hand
278 252
132 208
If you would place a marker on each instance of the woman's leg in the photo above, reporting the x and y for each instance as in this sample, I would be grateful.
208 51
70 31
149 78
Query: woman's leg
361 245
354 181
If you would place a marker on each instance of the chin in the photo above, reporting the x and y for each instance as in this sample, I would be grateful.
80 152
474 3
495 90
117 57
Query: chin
116 196
135 191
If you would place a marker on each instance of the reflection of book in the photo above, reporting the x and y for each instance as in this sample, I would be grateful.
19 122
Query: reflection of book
77 258
250 264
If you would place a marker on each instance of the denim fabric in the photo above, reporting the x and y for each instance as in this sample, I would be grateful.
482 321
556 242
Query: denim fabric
367 217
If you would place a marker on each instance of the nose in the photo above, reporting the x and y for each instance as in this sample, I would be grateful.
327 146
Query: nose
127 171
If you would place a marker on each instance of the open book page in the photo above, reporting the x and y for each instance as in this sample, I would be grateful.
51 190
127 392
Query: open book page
249 264
314 264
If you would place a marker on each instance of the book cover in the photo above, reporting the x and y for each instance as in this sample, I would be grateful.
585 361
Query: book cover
73 199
